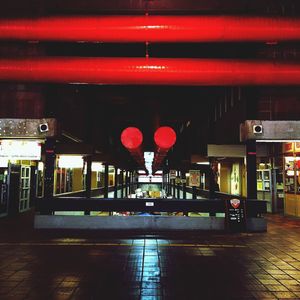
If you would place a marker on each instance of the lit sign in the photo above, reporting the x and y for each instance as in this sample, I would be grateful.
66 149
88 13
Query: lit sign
20 149
149 179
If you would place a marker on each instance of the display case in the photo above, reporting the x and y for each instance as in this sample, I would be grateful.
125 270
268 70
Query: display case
263 180
292 166
264 186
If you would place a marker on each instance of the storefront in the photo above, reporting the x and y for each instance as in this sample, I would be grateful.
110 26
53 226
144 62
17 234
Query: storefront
21 174
70 175
291 153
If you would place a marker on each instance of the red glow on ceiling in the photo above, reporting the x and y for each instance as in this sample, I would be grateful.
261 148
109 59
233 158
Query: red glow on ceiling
165 137
131 138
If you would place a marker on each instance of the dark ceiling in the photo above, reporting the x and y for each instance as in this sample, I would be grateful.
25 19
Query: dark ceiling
50 7
97 114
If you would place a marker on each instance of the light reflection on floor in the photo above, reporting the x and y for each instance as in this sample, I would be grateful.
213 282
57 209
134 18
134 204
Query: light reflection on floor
178 266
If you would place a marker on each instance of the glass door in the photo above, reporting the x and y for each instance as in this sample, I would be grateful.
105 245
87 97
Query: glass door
24 188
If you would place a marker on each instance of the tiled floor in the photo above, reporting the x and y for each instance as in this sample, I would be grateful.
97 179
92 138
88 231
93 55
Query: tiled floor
41 265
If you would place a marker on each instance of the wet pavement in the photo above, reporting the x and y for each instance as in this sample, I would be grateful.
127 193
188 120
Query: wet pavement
98 265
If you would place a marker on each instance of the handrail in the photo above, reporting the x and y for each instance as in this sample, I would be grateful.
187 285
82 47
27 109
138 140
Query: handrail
47 206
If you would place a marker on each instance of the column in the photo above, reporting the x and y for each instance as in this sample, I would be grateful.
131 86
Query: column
178 186
127 184
212 178
183 184
49 171
49 168
106 181
251 169
88 180
174 189
122 183
116 183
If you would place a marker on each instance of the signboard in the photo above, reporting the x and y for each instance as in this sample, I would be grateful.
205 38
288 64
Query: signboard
236 215
20 149
297 147
288 147
194 178
172 174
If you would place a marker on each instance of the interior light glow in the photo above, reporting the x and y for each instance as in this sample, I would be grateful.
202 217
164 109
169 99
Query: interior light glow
289 158
150 179
70 162
97 167
149 156
203 163
40 166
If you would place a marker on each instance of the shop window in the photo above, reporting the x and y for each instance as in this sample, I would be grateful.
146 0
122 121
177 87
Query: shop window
40 180
64 180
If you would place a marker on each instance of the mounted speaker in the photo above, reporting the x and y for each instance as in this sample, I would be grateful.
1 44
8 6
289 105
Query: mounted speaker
44 127
257 129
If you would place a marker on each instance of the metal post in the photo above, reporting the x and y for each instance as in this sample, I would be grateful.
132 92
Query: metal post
106 181
212 177
183 184
126 184
178 187
88 180
116 183
130 182
194 193
174 189
122 183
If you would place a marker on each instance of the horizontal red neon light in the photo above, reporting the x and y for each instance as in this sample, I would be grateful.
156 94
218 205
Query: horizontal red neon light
152 29
153 71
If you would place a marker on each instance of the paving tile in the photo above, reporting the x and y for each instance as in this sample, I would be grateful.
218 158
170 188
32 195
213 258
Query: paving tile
289 282
276 288
285 295
206 265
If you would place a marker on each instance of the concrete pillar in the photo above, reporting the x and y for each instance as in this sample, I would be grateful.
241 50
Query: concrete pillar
49 168
116 183
251 169
106 180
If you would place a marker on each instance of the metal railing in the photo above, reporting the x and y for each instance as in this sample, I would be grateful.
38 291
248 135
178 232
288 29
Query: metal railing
254 208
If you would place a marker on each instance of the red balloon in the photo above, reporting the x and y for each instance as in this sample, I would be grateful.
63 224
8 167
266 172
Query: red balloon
165 137
131 138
